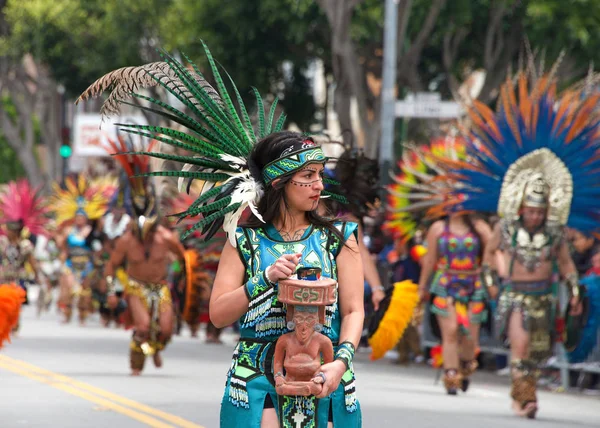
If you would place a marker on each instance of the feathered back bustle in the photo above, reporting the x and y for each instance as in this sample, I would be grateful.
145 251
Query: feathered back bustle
417 193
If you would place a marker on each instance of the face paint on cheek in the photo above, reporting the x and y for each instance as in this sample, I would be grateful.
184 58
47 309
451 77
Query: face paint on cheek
298 183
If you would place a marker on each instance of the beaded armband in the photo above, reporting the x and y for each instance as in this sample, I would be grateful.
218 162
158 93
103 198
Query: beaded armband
345 353
488 276
572 281
110 285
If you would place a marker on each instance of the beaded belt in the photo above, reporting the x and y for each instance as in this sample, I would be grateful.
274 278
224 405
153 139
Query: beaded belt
531 287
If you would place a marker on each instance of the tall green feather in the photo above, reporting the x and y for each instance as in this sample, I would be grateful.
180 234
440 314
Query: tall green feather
261 114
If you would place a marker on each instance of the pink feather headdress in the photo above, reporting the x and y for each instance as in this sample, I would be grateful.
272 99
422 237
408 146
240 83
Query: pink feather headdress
22 203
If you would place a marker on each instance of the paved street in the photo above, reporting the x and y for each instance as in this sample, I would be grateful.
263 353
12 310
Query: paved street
73 377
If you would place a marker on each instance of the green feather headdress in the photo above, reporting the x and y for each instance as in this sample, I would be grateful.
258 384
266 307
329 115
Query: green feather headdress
219 136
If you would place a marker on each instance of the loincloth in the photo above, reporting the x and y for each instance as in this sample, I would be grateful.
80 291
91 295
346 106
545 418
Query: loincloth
149 293
536 301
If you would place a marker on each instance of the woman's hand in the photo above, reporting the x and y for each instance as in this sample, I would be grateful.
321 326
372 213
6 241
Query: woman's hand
333 376
284 267
493 292
576 306
279 381
377 295
423 295
112 301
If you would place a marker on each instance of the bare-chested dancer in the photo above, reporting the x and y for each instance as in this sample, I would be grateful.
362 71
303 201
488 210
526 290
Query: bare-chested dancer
145 248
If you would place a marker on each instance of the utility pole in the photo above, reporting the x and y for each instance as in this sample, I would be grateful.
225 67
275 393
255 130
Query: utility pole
388 96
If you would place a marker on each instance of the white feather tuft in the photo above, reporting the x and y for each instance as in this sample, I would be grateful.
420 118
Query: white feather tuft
237 161
247 193
181 180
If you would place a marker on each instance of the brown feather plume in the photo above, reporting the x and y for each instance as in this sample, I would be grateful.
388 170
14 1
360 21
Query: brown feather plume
127 80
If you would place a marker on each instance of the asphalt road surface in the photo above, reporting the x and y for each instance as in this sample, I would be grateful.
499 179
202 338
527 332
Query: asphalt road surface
68 376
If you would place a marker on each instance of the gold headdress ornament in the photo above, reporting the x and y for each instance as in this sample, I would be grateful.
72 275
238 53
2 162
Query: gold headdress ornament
541 180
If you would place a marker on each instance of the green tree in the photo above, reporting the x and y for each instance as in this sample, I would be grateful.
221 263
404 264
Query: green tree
11 166
271 43
440 42
266 44
81 40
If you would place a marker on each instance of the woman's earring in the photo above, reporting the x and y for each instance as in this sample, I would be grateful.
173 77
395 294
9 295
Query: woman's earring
291 325
318 327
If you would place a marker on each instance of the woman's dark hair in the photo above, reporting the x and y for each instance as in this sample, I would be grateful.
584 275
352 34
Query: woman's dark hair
267 150
358 176
95 233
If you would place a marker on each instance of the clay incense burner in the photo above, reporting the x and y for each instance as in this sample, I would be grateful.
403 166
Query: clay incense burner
301 351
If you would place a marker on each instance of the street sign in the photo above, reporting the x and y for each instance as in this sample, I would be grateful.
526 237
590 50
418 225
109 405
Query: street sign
91 132
419 108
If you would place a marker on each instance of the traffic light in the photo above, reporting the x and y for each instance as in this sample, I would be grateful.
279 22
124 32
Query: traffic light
65 151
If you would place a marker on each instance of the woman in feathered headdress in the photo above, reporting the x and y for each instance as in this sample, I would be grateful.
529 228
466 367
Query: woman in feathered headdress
74 206
278 175
449 281
23 214
536 163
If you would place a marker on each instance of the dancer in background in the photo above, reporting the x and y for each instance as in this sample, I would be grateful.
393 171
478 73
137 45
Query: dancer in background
75 206
23 214
449 280
144 251
536 163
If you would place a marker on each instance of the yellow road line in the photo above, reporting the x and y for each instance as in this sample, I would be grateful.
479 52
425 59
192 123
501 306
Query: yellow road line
55 379
154 423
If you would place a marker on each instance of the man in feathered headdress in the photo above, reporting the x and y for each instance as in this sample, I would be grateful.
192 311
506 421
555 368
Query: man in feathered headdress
145 248
23 214
536 163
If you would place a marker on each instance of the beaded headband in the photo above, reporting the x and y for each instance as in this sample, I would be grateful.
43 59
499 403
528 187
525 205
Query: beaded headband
293 162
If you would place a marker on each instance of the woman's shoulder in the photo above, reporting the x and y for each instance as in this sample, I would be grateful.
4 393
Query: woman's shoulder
437 226
344 224
347 228
245 228
482 227
244 232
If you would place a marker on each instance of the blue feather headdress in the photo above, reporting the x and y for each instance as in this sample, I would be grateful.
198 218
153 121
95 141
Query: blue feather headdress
537 134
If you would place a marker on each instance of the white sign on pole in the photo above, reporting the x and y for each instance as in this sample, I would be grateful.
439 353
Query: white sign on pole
428 109
428 97
91 133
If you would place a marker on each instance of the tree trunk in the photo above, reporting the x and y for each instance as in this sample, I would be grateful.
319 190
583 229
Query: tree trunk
32 168
50 114
350 78
20 84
